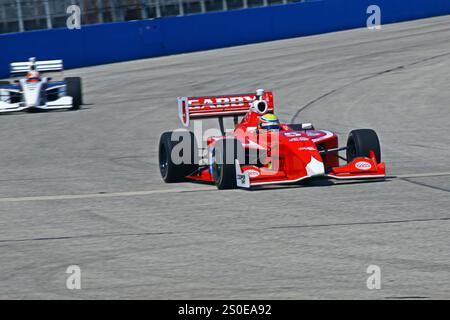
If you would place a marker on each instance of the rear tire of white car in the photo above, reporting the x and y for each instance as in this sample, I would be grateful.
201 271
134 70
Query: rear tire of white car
74 90
176 171
224 158
360 142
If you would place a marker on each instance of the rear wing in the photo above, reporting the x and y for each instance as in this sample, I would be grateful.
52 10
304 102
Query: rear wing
219 106
41 66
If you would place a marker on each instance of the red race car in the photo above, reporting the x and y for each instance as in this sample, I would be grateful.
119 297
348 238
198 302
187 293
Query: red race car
260 150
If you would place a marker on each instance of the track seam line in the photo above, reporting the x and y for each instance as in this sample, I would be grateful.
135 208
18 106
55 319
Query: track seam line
101 195
162 233
186 190
425 185
372 76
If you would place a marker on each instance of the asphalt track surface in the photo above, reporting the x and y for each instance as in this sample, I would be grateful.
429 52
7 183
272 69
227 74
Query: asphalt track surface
83 188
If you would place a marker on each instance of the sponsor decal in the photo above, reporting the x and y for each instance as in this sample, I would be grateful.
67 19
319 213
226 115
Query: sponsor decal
221 102
292 134
307 149
252 173
242 178
323 135
363 165
298 139
313 134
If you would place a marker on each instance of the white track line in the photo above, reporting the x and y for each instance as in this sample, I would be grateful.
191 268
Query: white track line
175 190
422 175
104 195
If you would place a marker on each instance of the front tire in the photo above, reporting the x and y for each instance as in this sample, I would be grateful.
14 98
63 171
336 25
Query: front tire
74 90
175 170
224 169
360 142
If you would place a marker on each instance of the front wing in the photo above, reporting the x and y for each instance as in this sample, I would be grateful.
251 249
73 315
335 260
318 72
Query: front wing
251 176
61 103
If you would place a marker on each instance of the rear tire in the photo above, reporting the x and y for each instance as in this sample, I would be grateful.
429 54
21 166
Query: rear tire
224 169
74 90
173 171
360 142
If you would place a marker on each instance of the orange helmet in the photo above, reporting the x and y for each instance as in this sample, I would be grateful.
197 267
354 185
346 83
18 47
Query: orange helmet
33 76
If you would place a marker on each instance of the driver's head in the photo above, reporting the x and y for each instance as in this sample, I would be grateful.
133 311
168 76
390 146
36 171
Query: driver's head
269 122
33 76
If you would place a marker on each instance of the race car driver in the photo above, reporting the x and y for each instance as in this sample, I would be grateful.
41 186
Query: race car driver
269 122
267 125
33 76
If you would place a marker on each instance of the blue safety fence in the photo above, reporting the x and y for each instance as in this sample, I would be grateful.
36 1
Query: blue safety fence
114 42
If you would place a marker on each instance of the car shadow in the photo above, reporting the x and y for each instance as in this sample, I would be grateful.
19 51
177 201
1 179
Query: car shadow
309 183
317 183
84 107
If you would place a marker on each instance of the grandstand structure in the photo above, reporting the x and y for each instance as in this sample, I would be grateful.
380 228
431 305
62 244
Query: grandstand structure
26 15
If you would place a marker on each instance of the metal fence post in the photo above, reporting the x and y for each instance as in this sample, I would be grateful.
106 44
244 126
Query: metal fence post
144 4
100 11
245 4
122 11
180 7
20 16
112 9
158 9
4 18
36 14
203 6
81 5
265 3
225 5
117 11
47 14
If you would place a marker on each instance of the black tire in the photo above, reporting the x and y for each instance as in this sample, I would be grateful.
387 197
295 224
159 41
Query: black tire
74 90
15 97
173 171
224 170
360 142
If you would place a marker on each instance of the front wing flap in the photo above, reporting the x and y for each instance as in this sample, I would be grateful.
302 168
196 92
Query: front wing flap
360 168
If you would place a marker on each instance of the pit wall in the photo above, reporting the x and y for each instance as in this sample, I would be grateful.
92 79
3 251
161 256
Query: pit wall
114 42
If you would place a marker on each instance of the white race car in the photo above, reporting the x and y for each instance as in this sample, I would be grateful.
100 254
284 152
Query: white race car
38 93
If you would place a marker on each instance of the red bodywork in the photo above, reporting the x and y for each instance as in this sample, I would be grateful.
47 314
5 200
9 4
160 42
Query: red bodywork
289 156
